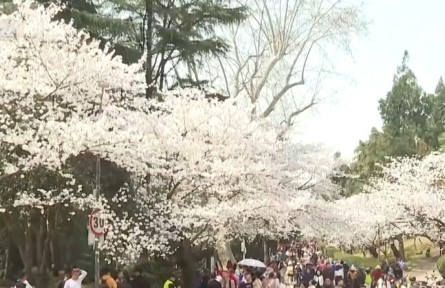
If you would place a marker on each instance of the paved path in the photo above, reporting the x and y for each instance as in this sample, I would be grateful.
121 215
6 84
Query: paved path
420 268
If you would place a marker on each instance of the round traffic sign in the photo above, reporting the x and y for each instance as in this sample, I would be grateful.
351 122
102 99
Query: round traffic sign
96 223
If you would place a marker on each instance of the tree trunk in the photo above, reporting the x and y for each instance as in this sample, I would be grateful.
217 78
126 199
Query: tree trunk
395 251
34 250
149 47
265 251
186 263
401 247
373 251
6 261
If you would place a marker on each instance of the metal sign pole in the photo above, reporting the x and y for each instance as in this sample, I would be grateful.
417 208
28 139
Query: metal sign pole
96 195
96 239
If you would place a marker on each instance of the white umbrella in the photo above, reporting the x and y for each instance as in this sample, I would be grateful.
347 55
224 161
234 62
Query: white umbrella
252 263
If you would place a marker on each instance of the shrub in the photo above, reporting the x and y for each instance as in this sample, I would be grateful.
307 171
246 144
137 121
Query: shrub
330 251
441 266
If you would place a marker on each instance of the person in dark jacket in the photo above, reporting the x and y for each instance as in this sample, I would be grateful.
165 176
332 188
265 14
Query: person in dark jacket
398 272
139 281
64 276
306 277
205 279
345 268
123 280
22 282
213 282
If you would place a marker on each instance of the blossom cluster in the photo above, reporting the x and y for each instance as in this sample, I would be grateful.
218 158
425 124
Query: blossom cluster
193 165
407 199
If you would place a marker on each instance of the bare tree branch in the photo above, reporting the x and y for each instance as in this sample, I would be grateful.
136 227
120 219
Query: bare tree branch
274 48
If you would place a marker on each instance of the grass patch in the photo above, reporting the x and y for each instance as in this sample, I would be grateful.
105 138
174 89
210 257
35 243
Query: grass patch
412 253
356 259
412 250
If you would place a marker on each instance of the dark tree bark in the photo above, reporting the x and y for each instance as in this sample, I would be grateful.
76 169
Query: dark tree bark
34 249
186 263
395 251
373 251
401 247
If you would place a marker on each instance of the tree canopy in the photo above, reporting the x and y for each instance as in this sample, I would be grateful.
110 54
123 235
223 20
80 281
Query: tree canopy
412 124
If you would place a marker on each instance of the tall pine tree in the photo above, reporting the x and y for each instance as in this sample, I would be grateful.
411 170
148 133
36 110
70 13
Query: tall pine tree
176 35
408 125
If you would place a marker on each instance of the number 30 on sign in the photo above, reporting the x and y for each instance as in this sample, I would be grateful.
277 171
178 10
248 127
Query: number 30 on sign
96 223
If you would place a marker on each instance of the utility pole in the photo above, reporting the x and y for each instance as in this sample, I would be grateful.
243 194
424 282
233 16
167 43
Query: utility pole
96 194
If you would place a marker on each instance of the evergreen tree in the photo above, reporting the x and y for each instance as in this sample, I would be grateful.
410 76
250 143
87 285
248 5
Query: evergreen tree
438 117
370 153
405 112
177 35
408 124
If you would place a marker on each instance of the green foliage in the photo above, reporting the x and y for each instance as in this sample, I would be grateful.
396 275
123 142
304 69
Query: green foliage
370 153
173 32
441 266
348 183
356 260
406 112
413 124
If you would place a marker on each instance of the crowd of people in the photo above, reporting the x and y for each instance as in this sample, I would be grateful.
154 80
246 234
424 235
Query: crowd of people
297 264
301 264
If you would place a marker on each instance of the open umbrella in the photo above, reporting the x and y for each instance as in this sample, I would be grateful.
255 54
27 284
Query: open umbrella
252 263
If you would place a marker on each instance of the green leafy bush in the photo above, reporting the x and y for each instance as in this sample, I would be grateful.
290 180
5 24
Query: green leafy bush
441 266
330 252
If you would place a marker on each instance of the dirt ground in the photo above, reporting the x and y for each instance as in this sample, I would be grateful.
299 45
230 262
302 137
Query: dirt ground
423 267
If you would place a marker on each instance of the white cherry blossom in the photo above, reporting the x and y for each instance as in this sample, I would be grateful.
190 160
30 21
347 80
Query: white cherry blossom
196 166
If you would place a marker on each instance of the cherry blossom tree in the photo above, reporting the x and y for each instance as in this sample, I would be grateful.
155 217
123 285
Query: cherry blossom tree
53 81
406 200
414 190
182 169
279 213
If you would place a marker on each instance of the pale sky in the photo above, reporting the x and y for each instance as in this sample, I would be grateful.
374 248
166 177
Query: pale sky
397 25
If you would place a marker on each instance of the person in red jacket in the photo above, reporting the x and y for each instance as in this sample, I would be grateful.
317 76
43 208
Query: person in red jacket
376 274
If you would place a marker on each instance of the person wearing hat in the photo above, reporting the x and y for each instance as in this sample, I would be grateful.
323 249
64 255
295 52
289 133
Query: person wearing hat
376 274
352 280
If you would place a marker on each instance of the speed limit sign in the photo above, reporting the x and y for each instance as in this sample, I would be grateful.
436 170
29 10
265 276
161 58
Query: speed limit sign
96 223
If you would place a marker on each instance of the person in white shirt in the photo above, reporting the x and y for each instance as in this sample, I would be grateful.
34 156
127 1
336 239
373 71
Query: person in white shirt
77 276
338 273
